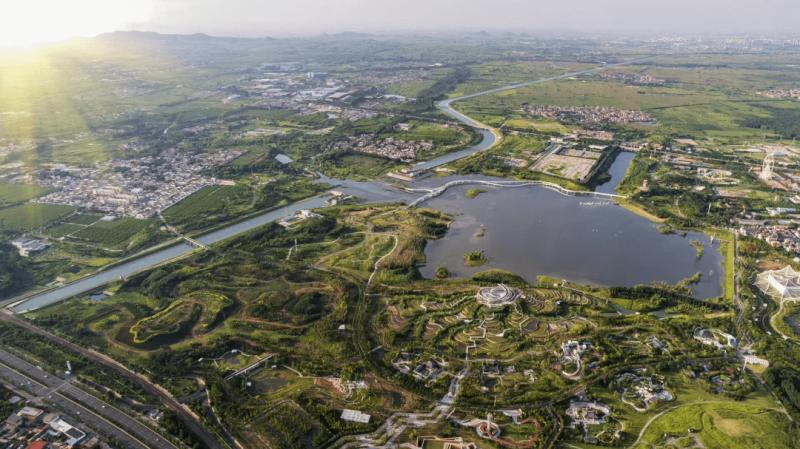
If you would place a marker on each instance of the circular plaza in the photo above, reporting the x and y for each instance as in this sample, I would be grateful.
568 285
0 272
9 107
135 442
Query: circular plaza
497 296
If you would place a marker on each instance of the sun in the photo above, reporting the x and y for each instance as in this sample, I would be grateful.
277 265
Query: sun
30 22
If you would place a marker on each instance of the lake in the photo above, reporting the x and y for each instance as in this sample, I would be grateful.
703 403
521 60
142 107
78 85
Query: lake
534 231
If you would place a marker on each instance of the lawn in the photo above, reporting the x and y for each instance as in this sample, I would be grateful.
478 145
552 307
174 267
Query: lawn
29 216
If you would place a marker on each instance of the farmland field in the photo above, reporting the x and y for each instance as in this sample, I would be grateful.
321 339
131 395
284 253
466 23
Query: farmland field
30 216
15 193
207 202
113 233
82 219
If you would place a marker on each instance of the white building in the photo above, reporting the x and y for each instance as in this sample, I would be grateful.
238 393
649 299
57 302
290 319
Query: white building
26 247
783 283
355 416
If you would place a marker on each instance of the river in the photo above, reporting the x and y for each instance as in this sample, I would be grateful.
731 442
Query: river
127 269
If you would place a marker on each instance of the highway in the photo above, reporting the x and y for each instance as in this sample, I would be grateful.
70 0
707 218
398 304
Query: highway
189 419
80 405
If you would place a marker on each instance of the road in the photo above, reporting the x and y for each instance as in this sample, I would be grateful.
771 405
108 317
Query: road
98 415
188 418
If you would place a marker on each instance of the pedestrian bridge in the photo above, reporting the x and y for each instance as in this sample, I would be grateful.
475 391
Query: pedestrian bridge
434 192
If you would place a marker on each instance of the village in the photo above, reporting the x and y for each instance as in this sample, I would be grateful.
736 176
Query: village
137 188
596 115
35 428
633 79
781 94
389 147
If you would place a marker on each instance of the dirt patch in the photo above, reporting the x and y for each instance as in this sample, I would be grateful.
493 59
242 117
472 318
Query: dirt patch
730 426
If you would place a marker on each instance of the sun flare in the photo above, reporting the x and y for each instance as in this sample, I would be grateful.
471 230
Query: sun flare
29 22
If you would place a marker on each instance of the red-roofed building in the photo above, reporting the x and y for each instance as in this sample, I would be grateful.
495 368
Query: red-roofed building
38 445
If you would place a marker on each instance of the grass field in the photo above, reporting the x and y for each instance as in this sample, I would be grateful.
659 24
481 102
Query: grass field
172 320
719 425
500 73
29 216
727 248
357 166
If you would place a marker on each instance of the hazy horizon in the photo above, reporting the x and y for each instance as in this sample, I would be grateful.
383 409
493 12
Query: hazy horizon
24 24
256 19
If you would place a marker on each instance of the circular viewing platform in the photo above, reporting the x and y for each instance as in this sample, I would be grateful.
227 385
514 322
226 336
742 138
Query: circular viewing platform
498 296
488 429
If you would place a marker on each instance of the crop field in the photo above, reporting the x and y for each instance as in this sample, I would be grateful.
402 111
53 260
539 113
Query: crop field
115 233
29 216
17 193
542 126
63 230
208 203
412 88
82 218
495 74
690 109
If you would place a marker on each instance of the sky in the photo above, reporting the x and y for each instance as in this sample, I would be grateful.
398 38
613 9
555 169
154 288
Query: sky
24 22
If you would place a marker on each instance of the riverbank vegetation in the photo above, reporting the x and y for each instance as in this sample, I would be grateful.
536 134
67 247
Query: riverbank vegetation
473 193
